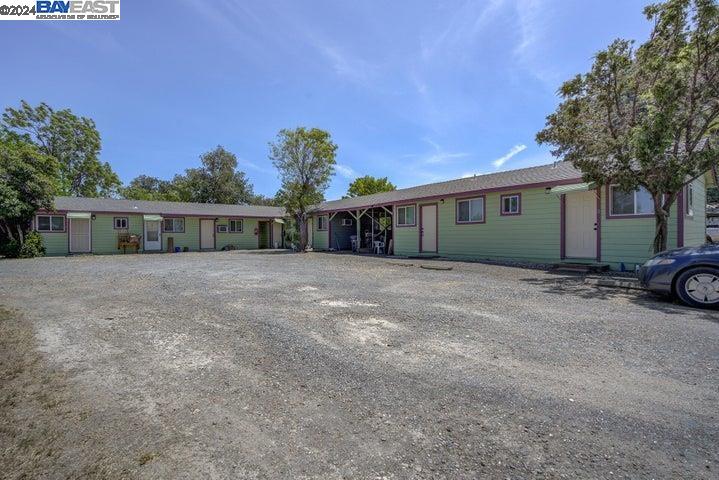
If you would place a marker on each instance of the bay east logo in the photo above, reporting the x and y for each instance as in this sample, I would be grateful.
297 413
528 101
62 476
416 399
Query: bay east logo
87 7
61 10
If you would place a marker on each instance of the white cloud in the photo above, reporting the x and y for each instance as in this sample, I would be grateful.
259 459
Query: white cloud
253 166
437 155
346 171
512 152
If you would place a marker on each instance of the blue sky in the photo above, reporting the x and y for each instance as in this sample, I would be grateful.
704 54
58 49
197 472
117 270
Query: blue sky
415 91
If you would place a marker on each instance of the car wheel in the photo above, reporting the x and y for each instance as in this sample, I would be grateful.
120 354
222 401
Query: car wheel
699 287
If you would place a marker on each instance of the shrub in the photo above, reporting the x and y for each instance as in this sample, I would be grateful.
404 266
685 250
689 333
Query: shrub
32 247
9 248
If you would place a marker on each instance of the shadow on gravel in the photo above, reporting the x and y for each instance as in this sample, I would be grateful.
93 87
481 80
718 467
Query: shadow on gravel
573 285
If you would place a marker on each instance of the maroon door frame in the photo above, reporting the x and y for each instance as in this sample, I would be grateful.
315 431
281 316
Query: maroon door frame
436 227
214 233
563 223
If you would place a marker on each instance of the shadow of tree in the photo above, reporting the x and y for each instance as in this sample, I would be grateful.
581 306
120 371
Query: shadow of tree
573 285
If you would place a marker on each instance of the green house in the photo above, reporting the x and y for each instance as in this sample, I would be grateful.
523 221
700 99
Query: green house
106 226
543 214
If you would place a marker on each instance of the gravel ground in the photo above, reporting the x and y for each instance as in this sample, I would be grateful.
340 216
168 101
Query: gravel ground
269 365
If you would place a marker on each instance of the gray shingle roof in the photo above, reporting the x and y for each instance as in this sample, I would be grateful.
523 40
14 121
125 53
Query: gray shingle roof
545 174
112 205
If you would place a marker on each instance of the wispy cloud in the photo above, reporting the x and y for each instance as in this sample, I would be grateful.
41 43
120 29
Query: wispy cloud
253 166
534 22
438 155
462 29
347 66
346 171
512 152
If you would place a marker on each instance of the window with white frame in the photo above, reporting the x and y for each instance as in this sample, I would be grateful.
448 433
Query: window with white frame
689 200
322 222
633 202
405 216
470 210
511 204
222 228
346 222
50 223
173 225
121 223
235 226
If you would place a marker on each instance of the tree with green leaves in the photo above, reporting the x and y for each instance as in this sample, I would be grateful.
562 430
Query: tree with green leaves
648 116
28 183
368 185
305 159
73 141
145 187
259 199
217 181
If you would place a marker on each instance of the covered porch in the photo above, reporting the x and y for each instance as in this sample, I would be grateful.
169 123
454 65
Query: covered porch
365 230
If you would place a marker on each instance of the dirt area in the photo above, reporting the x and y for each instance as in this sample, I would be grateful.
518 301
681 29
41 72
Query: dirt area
267 365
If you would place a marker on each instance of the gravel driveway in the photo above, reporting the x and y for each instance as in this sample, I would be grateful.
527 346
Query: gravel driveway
273 365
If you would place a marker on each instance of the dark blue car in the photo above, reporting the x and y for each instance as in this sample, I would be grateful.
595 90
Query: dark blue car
690 273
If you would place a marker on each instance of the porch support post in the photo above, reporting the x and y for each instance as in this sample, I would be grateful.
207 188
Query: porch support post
359 237
371 245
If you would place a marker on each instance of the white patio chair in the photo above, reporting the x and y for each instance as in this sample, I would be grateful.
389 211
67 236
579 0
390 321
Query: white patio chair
379 247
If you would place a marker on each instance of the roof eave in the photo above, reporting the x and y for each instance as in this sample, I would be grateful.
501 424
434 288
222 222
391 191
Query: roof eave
521 186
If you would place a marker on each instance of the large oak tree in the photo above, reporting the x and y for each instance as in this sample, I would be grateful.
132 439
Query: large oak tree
73 141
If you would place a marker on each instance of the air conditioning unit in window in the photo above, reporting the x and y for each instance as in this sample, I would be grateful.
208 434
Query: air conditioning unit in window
346 222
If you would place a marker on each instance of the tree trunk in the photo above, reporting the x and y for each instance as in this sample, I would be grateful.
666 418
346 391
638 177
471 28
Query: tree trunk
661 231
302 225
662 204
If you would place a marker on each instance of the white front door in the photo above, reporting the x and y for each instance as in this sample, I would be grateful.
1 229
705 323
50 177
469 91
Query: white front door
79 235
428 228
153 239
207 234
580 225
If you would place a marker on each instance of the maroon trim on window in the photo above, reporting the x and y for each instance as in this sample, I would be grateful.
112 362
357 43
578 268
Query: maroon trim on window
519 204
680 219
114 225
686 206
235 219
64 222
404 225
562 225
484 210
420 231
609 214
172 218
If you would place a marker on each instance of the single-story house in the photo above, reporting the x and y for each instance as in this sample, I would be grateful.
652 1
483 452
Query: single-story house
544 214
101 225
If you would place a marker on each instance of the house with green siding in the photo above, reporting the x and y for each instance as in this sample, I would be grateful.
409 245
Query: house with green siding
545 214
97 225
